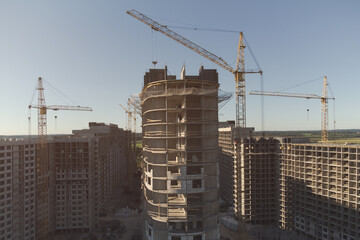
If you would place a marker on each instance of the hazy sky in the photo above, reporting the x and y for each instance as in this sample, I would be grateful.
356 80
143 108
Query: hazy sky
96 54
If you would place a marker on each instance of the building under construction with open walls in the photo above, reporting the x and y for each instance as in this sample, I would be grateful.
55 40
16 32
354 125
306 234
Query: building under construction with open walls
180 146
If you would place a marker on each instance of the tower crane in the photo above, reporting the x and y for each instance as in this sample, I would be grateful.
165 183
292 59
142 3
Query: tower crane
129 117
42 162
239 71
132 143
42 112
134 102
134 112
324 105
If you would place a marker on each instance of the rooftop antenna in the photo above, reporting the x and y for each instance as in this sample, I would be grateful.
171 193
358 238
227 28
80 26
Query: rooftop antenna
55 124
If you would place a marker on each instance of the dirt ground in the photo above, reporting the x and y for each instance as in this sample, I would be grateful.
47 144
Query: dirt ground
228 234
133 227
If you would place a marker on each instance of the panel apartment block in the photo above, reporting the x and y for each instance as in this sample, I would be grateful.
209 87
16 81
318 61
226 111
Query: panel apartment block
227 135
180 146
256 174
320 190
88 166
84 168
17 189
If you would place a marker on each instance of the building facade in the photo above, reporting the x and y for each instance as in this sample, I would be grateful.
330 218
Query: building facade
180 170
309 188
17 189
256 174
87 167
320 190
227 135
84 169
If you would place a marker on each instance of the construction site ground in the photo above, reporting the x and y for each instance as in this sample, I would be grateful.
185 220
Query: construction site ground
227 234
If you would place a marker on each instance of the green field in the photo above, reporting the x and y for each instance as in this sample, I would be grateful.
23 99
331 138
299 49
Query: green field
139 143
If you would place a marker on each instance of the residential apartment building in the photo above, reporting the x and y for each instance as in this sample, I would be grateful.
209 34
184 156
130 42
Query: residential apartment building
180 175
227 135
256 174
309 188
17 189
320 190
84 169
88 166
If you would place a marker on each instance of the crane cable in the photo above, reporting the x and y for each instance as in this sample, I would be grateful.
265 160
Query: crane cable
192 26
58 92
258 66
300 84
334 112
250 50
203 29
29 114
252 54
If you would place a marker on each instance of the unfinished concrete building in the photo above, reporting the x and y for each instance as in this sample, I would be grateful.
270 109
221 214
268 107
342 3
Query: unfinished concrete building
180 170
87 167
227 135
320 190
256 174
84 169
17 189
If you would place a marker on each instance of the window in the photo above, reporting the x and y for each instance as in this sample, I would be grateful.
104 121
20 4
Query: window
174 183
197 237
196 183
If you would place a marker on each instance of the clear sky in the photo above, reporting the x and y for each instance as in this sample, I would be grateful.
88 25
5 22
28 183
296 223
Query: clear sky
96 54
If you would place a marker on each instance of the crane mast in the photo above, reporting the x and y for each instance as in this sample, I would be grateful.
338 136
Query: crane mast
324 105
240 85
129 117
42 169
325 114
42 162
239 72
132 141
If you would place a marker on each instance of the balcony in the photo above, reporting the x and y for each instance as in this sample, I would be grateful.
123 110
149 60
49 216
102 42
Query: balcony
176 200
176 214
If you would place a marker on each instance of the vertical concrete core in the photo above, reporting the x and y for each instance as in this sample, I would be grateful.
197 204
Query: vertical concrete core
180 146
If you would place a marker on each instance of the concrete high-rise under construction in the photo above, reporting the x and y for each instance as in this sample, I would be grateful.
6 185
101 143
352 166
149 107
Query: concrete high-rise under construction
85 168
180 169
320 190
293 189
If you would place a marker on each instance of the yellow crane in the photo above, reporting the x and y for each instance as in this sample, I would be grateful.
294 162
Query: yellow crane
132 144
129 117
42 111
42 161
324 105
239 71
